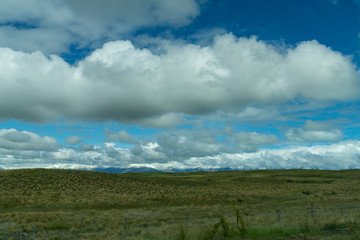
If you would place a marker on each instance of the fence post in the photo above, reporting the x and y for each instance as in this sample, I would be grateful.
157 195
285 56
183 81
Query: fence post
342 208
125 228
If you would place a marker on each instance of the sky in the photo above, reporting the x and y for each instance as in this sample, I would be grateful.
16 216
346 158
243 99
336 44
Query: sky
240 84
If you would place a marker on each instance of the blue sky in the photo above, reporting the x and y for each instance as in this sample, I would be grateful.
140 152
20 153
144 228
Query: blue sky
180 84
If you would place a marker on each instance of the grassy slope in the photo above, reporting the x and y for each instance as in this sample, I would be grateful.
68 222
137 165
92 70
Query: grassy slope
89 205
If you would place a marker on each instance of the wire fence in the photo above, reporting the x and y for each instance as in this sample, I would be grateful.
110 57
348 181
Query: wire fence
126 224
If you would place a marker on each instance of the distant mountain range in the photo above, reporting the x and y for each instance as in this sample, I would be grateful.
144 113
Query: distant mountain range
143 169
146 169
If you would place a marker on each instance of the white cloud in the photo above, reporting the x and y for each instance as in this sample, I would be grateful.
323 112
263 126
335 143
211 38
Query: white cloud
167 121
21 149
258 114
300 135
313 66
12 139
314 132
48 40
184 149
250 141
344 155
63 154
52 26
121 136
147 152
86 147
73 140
122 83
180 145
16 136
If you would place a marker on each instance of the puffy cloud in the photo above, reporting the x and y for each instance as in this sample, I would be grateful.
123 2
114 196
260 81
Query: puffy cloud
121 136
73 140
52 26
184 149
313 66
87 156
21 149
258 114
135 13
25 155
63 154
122 83
12 139
48 40
86 147
42 85
167 120
343 155
18 137
180 145
186 144
250 141
314 132
147 152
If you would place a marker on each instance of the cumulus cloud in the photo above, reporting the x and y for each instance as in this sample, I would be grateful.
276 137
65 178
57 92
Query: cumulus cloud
250 141
18 137
343 155
87 157
126 84
21 149
257 114
147 151
86 147
173 150
73 140
167 120
314 132
181 145
52 26
121 136
186 144
12 139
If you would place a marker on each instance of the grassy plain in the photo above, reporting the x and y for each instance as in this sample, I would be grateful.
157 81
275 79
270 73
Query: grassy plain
71 204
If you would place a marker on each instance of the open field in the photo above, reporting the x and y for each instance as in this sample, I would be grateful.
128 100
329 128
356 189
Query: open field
68 204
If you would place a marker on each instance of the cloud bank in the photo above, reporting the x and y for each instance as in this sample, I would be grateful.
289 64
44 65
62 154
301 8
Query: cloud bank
22 149
130 85
53 26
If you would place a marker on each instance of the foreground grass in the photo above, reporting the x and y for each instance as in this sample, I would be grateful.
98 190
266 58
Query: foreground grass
64 204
